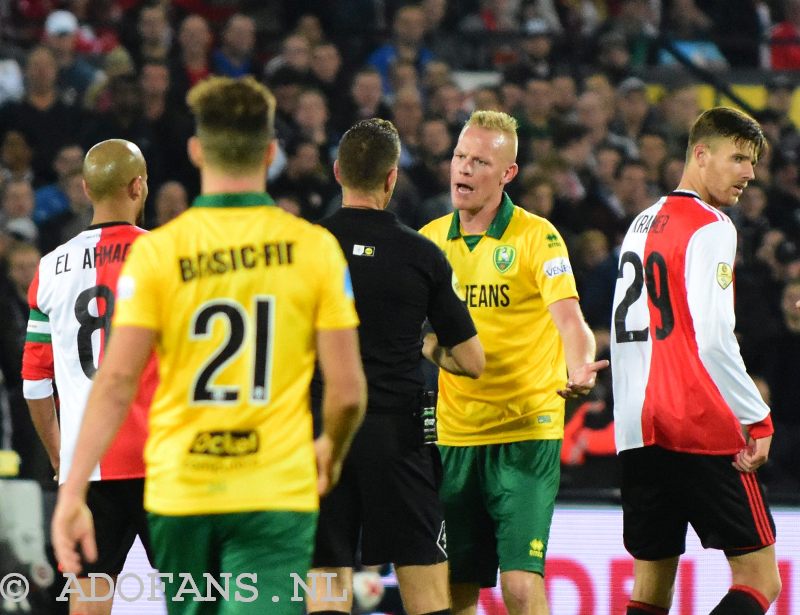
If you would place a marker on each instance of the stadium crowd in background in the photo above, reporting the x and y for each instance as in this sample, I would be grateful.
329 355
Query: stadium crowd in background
603 106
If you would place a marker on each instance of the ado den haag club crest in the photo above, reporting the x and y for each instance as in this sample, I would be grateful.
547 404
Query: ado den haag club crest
504 258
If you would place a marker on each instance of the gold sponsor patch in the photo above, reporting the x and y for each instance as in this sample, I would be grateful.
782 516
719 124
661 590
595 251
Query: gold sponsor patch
724 275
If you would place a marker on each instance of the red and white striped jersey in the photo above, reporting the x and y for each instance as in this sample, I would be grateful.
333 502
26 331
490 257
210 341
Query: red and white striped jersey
71 302
678 376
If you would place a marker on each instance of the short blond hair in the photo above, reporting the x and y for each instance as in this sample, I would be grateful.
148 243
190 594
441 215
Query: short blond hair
494 120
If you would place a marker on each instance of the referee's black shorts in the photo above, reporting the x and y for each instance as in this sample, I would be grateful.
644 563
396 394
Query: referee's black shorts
117 508
388 496
664 491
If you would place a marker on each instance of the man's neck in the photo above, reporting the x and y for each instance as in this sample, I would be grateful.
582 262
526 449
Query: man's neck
476 222
214 181
366 200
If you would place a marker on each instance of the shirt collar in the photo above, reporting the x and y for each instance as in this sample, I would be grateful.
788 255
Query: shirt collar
498 225
233 199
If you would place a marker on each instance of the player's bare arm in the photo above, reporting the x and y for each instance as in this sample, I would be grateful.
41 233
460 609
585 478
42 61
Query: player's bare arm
112 392
343 404
464 359
579 347
43 415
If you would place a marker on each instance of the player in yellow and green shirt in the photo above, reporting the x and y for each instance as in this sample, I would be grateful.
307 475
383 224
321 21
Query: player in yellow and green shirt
500 435
238 298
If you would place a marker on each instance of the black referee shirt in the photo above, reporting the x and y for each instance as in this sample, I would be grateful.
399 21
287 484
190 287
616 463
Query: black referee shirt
400 278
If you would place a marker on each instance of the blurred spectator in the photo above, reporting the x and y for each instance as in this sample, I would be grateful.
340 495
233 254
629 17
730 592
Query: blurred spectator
15 158
533 58
679 109
634 113
235 57
75 74
447 102
486 98
565 97
537 195
440 38
637 22
407 44
171 201
782 355
780 91
22 259
11 84
52 200
785 38
66 225
536 119
116 63
310 27
295 54
595 275
435 146
596 116
407 115
751 223
783 198
155 35
124 118
193 62
306 179
402 74
328 77
365 100
653 153
614 56
436 73
311 120
47 122
16 211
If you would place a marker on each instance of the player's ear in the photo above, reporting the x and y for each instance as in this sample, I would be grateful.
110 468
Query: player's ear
700 153
336 172
510 173
391 180
195 151
272 150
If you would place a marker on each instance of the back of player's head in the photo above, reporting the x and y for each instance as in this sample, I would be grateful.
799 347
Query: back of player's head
234 121
111 166
727 123
367 152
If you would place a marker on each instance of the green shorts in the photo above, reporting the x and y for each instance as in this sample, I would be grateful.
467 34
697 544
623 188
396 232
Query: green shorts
255 556
498 506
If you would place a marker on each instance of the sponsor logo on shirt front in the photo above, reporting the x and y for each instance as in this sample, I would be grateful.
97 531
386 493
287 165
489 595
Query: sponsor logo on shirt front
557 266
225 443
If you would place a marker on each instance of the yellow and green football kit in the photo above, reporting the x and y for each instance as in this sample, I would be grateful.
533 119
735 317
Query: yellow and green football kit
500 435
236 291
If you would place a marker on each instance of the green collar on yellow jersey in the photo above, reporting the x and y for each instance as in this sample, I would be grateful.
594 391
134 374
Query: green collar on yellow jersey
498 226
233 199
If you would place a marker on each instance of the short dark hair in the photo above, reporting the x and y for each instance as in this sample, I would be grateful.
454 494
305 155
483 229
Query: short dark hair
367 152
727 123
235 119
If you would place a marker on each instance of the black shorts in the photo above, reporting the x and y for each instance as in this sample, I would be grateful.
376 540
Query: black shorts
118 510
664 491
388 495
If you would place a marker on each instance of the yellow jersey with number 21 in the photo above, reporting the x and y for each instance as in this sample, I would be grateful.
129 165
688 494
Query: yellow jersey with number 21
236 291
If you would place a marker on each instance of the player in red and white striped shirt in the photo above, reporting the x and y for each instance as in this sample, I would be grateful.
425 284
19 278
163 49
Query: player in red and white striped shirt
682 395
71 304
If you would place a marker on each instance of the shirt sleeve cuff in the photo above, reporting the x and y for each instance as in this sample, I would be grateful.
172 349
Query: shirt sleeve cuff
37 389
762 429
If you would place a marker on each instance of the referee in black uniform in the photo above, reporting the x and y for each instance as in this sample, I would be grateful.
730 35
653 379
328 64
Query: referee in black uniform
388 491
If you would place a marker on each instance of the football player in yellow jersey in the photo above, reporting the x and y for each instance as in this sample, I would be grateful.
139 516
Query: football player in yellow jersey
500 435
237 297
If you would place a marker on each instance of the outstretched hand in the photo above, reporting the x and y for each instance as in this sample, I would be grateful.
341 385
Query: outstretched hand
582 380
754 455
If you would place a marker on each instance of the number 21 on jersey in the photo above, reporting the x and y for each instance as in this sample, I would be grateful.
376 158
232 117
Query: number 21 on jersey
240 328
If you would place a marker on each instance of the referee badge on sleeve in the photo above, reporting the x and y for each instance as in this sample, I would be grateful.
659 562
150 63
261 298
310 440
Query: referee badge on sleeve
724 275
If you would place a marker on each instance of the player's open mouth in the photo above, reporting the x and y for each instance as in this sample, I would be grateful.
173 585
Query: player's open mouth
739 188
463 188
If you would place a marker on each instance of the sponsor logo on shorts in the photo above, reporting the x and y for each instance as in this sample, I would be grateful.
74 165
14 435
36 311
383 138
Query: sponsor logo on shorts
557 266
537 548
225 443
